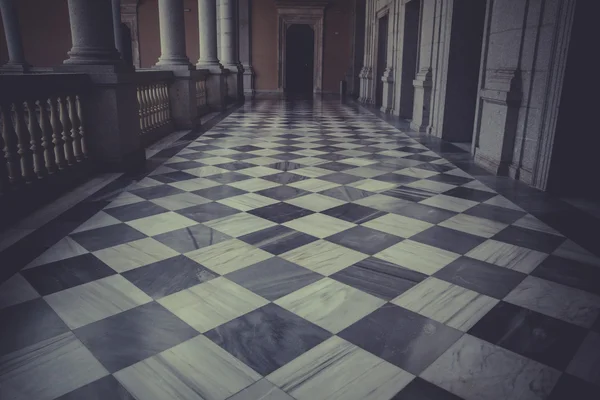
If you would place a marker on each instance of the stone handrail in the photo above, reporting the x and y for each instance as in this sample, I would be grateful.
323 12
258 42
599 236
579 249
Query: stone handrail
42 126
153 100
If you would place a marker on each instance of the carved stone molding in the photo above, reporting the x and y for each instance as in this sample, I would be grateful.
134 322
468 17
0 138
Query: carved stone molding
300 12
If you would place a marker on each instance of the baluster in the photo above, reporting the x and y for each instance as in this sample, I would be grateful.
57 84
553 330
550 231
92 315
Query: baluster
166 102
163 102
79 109
66 133
24 138
47 136
10 148
57 130
146 94
154 100
74 118
4 179
35 140
141 109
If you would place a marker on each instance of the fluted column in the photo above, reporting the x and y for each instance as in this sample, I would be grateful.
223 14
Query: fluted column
172 35
92 33
12 32
207 22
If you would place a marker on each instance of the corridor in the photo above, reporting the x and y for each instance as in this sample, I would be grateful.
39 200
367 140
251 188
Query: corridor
305 250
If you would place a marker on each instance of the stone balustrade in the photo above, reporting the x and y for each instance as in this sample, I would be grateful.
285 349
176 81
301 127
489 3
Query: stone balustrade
154 104
42 125
201 94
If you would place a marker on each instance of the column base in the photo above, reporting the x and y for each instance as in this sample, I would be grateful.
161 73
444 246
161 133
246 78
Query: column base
167 65
15 67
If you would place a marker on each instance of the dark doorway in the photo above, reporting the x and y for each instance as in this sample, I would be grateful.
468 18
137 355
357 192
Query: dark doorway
409 58
466 40
299 59
382 40
575 164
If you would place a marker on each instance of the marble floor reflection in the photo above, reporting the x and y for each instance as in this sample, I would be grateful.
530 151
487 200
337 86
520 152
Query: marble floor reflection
304 250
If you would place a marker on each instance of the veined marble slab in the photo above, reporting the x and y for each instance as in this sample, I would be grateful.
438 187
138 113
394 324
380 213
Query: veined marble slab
323 257
398 225
135 254
161 223
319 225
249 201
65 248
254 184
474 225
449 203
228 256
507 255
240 224
417 256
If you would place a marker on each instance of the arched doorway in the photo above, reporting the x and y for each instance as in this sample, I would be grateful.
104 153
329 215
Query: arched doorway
299 59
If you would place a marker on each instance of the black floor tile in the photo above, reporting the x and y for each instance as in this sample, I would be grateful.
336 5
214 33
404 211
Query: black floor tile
570 273
341 178
285 178
470 194
185 165
481 277
425 213
277 239
103 389
540 241
402 337
169 276
448 239
207 212
268 338
410 194
335 166
283 193
219 192
28 323
420 389
379 278
176 176
494 213
274 278
280 212
365 240
109 236
450 179
134 335
395 178
65 274
571 387
531 334
354 213
286 165
154 192
228 177
346 193
236 166
191 238
138 210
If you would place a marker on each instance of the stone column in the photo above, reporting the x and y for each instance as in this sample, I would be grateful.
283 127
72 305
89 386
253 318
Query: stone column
229 54
215 83
12 32
245 45
116 13
172 35
92 33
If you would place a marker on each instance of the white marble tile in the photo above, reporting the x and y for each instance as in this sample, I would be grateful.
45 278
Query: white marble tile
477 370
196 369
48 369
572 251
262 390
365 172
161 223
447 303
372 185
501 201
382 202
180 201
352 153
319 225
210 304
417 172
262 160
135 254
478 186
145 183
240 224
93 301
216 160
248 201
309 161
398 225
417 256
449 203
207 171
266 152
330 304
323 257
507 255
259 171
190 185
16 290
458 172
531 222
432 186
396 153
569 304
309 153
65 248
315 202
586 362
474 225
314 185
228 256
99 220
222 152
254 184
339 370
311 172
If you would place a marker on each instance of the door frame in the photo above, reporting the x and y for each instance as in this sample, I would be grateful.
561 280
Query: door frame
310 13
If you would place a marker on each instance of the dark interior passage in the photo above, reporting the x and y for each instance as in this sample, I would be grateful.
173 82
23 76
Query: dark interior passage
299 59
575 163
463 70
382 38
409 58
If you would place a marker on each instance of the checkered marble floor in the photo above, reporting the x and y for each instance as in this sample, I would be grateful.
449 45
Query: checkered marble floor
305 251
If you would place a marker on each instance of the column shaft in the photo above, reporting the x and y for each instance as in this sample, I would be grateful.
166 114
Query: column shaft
12 32
207 22
229 57
92 33
116 13
172 34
